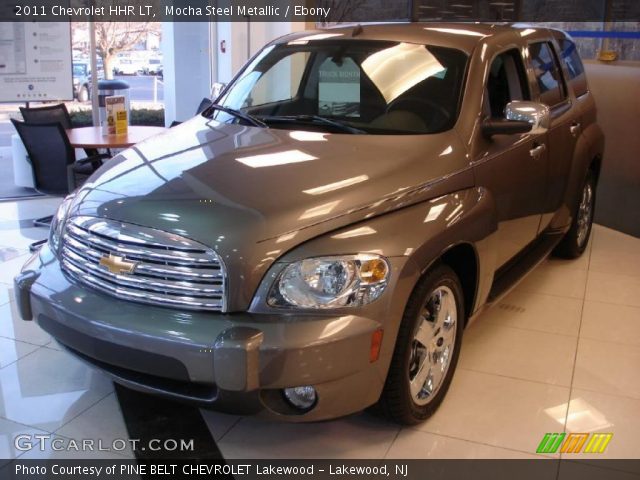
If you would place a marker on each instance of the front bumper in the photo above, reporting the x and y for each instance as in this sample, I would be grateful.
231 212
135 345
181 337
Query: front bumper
236 362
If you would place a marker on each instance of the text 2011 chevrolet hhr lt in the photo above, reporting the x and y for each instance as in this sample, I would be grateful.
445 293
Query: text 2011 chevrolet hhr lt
316 241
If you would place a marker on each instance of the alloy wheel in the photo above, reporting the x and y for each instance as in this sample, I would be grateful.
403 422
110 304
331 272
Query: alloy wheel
433 345
585 212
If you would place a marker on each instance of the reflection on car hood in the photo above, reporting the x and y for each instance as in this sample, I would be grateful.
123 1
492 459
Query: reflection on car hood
204 179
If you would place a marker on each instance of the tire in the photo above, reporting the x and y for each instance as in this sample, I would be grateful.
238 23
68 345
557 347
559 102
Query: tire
576 239
399 401
83 94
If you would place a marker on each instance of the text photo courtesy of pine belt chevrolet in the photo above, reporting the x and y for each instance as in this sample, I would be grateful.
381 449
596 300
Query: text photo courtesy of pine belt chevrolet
316 241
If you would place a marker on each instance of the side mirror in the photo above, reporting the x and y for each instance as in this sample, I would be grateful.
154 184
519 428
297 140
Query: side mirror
216 90
519 117
504 127
536 114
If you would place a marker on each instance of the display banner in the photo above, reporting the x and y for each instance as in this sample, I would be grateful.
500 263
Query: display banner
542 469
35 61
320 11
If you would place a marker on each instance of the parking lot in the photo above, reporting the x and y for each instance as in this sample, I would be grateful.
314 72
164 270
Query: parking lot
144 88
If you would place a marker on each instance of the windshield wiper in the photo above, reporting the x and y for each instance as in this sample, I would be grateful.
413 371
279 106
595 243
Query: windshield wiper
236 113
317 119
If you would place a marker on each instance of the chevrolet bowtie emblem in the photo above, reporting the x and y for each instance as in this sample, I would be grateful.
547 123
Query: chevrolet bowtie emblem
116 264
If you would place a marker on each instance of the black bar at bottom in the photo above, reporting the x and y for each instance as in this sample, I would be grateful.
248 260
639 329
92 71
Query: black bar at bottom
535 469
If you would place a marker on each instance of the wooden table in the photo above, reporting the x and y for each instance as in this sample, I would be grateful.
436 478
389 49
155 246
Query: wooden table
92 137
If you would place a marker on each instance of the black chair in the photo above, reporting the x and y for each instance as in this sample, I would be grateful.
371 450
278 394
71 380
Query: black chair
48 114
55 168
54 113
204 104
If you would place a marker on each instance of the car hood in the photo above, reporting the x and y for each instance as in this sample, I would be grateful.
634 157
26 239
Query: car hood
249 192
205 178
254 194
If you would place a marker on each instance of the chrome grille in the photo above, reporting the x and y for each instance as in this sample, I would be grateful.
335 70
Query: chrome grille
170 270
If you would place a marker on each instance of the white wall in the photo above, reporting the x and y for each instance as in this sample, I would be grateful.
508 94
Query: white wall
237 34
616 88
187 68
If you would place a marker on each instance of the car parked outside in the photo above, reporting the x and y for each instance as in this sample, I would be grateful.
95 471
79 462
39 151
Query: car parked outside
153 67
127 66
82 79
316 242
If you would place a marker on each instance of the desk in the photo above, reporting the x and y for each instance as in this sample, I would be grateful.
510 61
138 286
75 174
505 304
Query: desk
92 137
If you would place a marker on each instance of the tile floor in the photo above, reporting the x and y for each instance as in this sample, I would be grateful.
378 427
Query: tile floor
560 353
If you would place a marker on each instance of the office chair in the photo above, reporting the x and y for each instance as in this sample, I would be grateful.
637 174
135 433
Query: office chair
54 113
56 171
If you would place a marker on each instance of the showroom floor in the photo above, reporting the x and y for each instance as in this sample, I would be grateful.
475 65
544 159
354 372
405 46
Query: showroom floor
560 352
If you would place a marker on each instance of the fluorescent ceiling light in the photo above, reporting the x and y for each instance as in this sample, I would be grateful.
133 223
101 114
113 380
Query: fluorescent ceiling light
434 212
277 158
286 237
303 136
319 210
336 185
527 31
315 36
580 417
356 232
455 31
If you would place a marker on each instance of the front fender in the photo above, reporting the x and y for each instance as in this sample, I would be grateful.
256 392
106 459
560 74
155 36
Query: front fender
413 238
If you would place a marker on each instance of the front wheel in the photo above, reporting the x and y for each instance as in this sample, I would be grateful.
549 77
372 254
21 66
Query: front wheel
427 348
576 239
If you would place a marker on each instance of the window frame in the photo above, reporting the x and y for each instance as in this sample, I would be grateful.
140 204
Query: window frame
562 83
579 85
523 74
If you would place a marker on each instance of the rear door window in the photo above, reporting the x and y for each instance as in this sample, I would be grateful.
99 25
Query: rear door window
548 74
575 68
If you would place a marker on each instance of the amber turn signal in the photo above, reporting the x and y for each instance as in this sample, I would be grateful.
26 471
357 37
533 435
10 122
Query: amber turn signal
374 270
376 345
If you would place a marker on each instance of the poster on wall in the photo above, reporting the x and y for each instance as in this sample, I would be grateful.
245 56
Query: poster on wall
339 88
35 61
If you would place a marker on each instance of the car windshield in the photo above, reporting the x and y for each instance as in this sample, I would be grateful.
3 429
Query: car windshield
349 86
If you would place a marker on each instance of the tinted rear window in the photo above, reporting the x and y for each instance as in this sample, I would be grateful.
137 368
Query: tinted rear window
548 75
577 77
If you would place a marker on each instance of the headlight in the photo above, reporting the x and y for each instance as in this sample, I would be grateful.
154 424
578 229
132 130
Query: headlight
331 282
58 221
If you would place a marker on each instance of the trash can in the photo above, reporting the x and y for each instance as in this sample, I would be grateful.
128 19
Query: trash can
109 88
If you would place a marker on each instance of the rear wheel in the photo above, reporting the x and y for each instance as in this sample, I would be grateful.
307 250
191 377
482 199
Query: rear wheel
576 239
427 348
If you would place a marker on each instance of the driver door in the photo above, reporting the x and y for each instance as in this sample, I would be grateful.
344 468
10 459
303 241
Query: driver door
512 167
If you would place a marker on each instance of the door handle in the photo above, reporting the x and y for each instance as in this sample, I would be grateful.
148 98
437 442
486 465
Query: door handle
574 129
537 150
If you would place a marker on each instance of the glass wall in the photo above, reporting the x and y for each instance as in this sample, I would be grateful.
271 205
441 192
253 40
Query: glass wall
597 25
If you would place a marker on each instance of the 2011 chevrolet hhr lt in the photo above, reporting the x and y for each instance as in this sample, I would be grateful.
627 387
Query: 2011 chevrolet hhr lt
316 241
